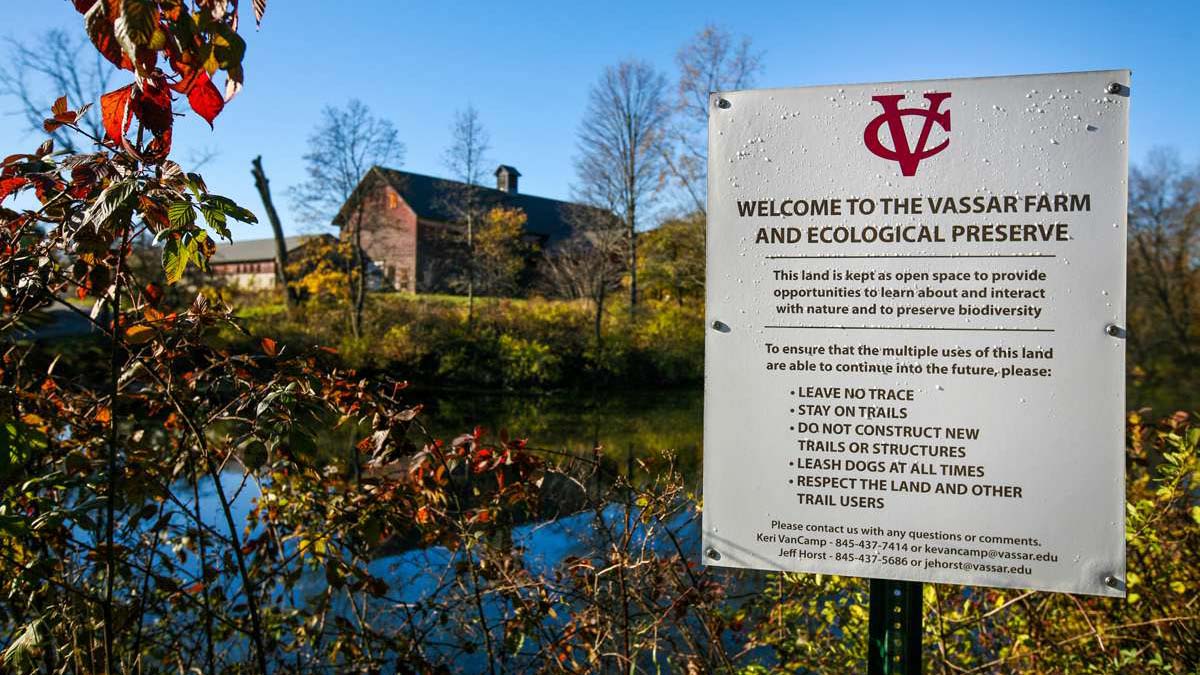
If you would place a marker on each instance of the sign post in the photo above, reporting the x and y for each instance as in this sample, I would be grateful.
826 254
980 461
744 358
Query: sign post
894 628
915 365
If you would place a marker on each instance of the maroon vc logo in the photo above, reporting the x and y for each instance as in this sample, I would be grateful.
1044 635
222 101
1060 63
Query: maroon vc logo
907 154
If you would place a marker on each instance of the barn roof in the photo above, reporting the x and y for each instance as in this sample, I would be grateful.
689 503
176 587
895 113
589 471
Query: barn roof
432 198
253 250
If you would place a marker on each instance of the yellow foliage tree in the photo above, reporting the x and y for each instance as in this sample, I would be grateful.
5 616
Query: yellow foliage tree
502 251
323 271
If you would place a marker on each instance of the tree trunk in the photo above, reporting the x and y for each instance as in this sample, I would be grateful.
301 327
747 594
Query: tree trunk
633 289
359 287
470 268
264 191
599 317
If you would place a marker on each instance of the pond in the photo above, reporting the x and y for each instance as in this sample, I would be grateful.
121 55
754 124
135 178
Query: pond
625 425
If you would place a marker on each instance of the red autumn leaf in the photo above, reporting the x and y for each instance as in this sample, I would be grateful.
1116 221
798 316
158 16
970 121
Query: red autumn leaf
59 107
54 123
46 188
83 180
423 515
268 346
153 293
152 106
10 185
158 149
188 76
98 18
205 99
116 113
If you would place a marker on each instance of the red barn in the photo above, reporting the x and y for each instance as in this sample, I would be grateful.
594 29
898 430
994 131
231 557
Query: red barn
410 222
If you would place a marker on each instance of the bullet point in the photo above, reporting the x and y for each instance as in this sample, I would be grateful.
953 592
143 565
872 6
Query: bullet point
790 481
791 428
791 464
793 410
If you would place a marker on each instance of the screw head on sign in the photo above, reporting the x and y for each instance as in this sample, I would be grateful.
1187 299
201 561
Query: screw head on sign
713 554
1114 330
1114 88
723 103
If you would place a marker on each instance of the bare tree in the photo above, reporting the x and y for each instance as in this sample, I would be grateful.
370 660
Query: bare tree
264 191
56 64
345 145
621 159
713 60
465 158
588 264
1164 257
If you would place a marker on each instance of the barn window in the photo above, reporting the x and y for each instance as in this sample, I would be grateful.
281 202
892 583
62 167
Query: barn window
393 200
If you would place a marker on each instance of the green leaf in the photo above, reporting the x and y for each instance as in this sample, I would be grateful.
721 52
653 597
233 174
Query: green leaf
16 442
181 214
215 218
23 650
138 21
230 208
176 254
230 54
113 198
196 183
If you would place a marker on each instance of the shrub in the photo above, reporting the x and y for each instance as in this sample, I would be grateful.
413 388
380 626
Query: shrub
527 361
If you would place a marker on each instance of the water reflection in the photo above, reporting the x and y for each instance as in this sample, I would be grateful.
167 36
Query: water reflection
624 424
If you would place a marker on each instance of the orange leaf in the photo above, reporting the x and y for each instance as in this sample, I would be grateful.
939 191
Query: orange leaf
116 112
205 99
59 107
103 415
268 346
136 335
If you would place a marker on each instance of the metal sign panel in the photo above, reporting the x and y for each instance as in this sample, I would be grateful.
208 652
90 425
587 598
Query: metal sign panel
915 357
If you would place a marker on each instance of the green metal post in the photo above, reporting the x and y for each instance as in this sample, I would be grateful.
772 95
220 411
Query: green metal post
894 632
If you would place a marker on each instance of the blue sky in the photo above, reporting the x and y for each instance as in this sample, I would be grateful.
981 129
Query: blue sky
527 67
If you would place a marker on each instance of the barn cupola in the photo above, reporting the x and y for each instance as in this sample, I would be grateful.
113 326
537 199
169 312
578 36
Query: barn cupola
506 178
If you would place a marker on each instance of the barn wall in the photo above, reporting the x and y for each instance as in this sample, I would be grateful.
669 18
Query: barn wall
389 237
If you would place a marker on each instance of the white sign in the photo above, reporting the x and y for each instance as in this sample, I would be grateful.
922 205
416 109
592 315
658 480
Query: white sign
915 358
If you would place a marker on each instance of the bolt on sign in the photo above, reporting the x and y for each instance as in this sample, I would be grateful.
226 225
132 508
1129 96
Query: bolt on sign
916 301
